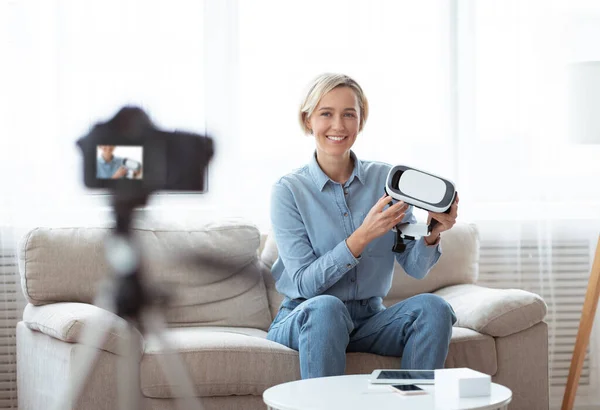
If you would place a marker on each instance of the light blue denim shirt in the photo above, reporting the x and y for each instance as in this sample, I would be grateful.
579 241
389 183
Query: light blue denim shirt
311 218
106 169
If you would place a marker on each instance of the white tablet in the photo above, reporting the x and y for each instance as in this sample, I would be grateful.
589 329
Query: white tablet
392 376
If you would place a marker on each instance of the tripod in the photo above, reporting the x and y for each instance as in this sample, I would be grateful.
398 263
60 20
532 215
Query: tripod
137 307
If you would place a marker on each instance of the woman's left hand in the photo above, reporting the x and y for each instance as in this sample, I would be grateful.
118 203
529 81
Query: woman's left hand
445 222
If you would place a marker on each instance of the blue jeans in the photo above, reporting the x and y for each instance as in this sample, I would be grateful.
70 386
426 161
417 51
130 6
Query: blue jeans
323 328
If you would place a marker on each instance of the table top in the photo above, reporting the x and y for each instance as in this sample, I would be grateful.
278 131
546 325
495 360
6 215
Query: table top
355 392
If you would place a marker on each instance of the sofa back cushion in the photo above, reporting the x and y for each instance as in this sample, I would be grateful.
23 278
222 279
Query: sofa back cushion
457 265
211 272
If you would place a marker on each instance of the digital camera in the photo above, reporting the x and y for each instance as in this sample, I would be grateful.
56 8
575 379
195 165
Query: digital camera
128 153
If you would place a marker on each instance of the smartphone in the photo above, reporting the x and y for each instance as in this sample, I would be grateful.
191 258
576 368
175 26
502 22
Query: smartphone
407 389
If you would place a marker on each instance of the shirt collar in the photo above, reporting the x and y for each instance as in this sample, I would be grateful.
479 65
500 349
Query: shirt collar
103 161
321 178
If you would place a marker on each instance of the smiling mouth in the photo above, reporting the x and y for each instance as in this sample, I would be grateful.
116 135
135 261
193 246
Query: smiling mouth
335 138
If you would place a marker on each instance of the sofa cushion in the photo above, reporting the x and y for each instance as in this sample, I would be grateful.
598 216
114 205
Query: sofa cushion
467 349
494 312
211 271
474 350
71 322
241 361
458 264
221 361
268 255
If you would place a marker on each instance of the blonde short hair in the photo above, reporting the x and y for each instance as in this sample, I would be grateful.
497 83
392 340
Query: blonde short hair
321 86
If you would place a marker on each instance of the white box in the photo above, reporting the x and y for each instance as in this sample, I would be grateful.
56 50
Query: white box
462 382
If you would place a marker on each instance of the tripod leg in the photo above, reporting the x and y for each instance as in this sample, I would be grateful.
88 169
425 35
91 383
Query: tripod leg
85 360
129 372
173 366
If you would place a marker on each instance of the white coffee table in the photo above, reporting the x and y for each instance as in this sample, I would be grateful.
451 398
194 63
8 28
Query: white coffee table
355 392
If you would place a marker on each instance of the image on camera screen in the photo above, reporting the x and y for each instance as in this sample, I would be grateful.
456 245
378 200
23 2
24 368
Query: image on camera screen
119 162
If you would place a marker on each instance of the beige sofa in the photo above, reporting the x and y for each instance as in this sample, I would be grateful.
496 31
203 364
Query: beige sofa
218 318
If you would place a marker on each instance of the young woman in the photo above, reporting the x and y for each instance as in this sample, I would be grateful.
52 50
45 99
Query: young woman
108 165
333 232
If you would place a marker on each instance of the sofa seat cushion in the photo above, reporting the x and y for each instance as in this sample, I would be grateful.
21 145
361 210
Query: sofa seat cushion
467 349
221 361
472 349
241 361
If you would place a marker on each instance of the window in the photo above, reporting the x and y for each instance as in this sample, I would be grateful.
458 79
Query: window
75 63
398 51
514 151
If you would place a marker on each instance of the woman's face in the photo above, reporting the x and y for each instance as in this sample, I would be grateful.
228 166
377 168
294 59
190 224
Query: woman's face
107 150
335 122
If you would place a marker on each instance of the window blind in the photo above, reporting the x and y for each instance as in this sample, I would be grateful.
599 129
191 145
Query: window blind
558 271
12 303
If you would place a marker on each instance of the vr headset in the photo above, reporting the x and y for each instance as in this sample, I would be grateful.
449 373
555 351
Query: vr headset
132 166
422 190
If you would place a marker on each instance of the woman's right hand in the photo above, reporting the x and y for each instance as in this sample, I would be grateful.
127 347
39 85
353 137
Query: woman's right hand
120 173
377 223
379 220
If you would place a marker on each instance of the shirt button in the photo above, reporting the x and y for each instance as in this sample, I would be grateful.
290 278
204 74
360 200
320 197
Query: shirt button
345 213
352 279
348 265
345 192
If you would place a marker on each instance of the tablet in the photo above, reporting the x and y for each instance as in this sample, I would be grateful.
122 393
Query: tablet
391 376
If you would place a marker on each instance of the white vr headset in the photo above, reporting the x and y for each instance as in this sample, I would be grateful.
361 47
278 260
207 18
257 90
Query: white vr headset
422 190
132 166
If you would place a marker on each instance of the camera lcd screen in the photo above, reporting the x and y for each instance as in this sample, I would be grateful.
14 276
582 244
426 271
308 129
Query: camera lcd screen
120 162
406 374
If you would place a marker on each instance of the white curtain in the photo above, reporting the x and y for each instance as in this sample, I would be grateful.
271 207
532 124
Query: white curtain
533 192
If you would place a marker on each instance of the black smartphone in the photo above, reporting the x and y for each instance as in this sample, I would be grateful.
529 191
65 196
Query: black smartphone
407 389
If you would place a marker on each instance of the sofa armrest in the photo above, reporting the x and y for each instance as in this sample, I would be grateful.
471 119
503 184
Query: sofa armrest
495 312
67 321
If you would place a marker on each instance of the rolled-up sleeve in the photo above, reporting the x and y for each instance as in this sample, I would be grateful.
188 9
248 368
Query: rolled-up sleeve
418 258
